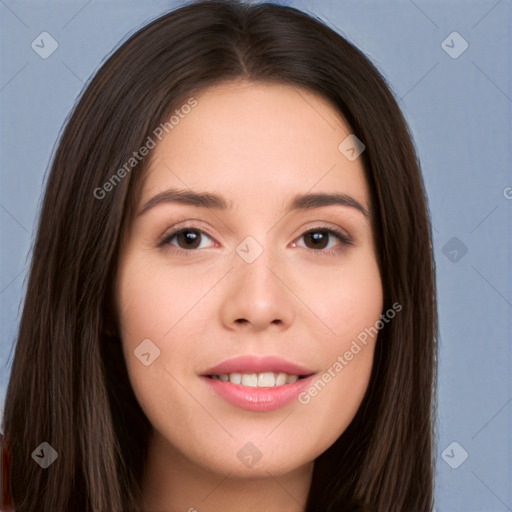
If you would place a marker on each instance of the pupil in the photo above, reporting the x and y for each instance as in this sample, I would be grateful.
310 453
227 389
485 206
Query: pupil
318 236
189 237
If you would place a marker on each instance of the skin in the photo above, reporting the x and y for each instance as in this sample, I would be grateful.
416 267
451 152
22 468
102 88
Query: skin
257 145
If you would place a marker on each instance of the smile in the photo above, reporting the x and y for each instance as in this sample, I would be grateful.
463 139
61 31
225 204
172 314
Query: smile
260 384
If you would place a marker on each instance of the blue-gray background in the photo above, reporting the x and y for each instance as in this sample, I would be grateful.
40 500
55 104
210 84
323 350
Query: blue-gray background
459 111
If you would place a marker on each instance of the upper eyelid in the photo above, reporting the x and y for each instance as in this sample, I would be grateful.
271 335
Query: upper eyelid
191 223
173 231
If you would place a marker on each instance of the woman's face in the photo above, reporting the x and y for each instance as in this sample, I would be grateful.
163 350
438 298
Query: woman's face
242 292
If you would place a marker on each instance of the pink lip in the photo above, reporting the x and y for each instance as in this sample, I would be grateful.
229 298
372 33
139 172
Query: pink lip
254 398
257 399
252 364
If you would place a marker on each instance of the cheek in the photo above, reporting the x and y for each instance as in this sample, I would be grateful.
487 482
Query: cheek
154 298
345 298
349 304
153 301
160 307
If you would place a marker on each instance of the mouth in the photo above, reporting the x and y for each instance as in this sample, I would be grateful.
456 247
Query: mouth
258 384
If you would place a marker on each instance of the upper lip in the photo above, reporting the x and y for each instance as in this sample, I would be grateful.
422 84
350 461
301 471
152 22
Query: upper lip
254 364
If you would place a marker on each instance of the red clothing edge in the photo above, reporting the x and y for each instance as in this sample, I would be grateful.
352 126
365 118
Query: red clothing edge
6 501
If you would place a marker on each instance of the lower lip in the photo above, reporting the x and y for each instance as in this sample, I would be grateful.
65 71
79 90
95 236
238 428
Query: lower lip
258 399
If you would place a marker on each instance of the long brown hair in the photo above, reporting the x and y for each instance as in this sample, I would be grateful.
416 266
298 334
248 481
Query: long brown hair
69 385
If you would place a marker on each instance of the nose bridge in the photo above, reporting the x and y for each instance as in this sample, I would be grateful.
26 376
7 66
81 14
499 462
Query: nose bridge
256 293
254 261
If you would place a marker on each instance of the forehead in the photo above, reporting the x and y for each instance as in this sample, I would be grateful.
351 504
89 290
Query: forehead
248 139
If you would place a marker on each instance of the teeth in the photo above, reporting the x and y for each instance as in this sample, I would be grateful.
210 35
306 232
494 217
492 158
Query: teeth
250 379
266 380
235 378
260 380
281 379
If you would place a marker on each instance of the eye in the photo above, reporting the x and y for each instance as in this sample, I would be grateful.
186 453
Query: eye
187 238
317 239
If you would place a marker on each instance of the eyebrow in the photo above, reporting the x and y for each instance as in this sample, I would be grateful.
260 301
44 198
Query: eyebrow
217 202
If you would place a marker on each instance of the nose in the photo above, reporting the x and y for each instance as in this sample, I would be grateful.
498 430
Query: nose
258 295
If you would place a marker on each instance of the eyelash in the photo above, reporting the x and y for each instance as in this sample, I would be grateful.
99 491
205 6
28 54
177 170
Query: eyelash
342 237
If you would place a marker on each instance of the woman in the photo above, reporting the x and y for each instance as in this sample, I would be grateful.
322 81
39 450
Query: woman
257 369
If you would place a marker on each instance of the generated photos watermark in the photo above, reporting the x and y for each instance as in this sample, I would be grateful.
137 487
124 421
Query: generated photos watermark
137 156
343 360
